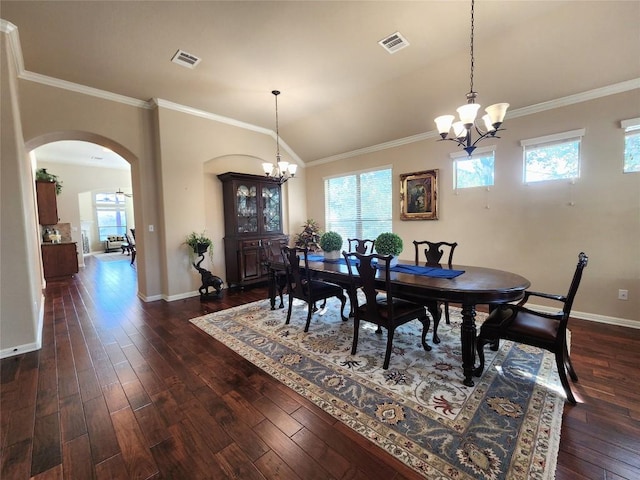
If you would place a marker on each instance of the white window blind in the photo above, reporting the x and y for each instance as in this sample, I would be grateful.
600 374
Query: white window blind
358 205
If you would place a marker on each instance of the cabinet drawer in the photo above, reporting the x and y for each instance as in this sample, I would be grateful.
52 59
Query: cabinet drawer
250 244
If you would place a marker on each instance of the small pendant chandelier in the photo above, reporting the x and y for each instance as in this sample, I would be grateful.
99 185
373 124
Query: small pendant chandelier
463 129
281 171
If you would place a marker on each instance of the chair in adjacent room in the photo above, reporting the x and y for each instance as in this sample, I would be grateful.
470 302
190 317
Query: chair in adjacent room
381 307
364 246
300 285
548 331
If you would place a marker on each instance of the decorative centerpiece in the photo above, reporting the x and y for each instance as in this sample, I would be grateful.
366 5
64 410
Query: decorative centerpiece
309 237
389 243
331 243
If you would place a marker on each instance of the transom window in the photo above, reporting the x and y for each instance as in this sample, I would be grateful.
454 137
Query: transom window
476 170
552 157
631 145
111 215
358 205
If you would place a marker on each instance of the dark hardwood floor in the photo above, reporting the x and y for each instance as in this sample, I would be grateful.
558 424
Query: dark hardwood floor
125 389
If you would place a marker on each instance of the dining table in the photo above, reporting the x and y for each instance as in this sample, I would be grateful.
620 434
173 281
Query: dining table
466 285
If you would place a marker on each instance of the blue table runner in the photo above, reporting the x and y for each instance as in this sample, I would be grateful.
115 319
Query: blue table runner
401 268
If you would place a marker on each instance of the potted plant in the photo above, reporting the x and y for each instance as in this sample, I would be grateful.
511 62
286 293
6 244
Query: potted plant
43 176
331 243
389 243
199 243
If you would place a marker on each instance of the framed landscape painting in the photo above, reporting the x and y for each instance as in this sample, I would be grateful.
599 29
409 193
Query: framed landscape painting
419 195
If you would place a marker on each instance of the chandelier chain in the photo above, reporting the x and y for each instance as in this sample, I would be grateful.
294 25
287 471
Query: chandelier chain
471 46
277 131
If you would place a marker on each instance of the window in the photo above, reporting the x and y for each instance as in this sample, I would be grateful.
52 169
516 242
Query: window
553 157
358 205
631 145
476 170
110 214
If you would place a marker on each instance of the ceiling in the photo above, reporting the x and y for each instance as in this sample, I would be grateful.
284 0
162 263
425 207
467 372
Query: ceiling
341 91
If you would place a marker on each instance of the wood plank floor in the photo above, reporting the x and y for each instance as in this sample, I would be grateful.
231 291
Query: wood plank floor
125 389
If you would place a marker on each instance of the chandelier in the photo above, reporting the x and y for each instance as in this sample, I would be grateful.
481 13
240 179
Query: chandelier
281 171
462 130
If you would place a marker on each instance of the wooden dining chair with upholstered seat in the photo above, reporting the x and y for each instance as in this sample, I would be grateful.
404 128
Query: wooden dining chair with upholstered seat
381 307
300 285
548 331
364 246
433 253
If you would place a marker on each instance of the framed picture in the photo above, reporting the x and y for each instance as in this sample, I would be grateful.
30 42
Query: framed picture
419 195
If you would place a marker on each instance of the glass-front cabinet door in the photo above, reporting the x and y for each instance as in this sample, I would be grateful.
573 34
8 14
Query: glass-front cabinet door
246 207
271 208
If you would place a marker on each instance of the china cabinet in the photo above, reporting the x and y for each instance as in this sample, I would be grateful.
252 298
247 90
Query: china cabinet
253 226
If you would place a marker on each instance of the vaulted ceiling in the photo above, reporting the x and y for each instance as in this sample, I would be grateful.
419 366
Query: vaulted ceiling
341 91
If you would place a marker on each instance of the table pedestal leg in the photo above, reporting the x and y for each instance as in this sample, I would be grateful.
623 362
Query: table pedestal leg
468 339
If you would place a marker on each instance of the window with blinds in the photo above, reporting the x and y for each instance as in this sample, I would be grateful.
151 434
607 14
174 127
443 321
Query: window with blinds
358 205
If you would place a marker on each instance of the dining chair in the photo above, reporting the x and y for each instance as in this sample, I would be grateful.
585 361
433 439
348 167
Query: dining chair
364 246
548 331
300 285
271 252
433 253
381 307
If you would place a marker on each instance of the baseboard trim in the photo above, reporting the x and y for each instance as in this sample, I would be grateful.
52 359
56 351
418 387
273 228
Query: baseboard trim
592 317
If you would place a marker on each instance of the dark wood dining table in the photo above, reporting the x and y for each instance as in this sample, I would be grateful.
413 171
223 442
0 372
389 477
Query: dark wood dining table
476 286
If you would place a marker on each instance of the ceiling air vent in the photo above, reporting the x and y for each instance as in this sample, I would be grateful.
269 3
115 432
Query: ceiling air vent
185 59
394 42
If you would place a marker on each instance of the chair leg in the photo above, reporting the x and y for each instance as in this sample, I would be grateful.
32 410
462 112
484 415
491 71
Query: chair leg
290 308
569 365
480 343
563 377
446 313
387 354
436 314
343 301
309 312
356 329
425 328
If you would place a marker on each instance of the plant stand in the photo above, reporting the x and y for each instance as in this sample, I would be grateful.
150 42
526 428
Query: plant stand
208 279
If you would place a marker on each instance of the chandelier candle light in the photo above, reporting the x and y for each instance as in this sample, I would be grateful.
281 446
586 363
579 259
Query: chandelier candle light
281 171
462 129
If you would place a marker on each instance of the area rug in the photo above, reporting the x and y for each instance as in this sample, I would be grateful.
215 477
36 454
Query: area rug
505 427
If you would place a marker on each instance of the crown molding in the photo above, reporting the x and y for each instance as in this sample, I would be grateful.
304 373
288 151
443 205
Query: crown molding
621 87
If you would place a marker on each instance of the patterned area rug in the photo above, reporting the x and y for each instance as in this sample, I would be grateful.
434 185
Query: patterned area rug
506 427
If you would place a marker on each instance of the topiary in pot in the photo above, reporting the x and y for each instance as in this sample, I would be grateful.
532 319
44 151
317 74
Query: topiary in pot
389 243
331 243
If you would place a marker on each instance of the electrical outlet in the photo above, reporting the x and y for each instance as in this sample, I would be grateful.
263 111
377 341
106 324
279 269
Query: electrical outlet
623 294
151 228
